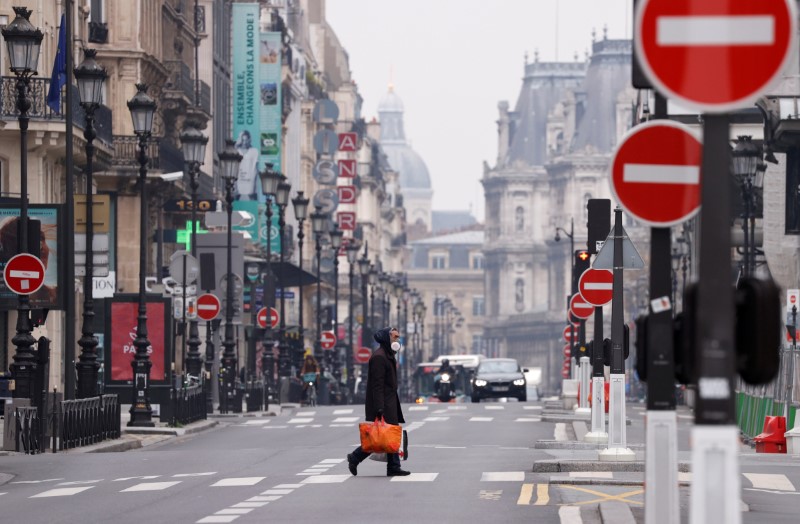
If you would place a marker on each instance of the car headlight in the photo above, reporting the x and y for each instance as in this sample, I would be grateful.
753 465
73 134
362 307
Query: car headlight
445 377
519 382
480 383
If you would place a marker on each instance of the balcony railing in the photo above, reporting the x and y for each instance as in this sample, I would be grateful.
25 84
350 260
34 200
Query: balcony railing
161 154
37 94
181 80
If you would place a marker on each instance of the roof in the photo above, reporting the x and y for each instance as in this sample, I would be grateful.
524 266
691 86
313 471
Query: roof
410 166
463 237
451 220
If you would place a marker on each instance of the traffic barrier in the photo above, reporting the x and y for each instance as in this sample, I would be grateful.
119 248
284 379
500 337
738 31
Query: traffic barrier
772 439
87 421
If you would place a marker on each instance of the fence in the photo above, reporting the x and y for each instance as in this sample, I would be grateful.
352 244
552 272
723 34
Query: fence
189 404
29 430
88 421
254 395
755 403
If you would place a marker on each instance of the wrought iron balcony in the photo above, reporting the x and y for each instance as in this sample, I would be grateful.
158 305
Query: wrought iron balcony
40 111
181 80
163 156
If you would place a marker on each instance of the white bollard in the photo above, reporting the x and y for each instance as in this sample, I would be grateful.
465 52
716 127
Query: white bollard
661 468
716 488
583 400
617 446
598 434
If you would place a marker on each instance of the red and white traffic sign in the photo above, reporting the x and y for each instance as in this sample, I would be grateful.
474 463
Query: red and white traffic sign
565 372
579 307
362 355
596 286
567 351
568 334
693 50
327 340
24 274
261 317
208 307
655 174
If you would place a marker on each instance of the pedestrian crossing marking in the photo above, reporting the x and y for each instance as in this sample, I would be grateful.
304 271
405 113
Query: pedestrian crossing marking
481 419
250 505
436 419
342 411
60 492
297 420
542 495
308 473
494 407
147 477
490 494
234 511
503 476
274 427
418 408
525 494
345 419
34 481
341 425
277 492
456 408
306 413
268 498
255 423
203 474
528 419
605 497
570 515
774 481
79 482
416 477
150 486
592 474
288 486
217 518
560 431
326 479
241 481
531 407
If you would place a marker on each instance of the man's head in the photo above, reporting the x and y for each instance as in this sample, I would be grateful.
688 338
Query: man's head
394 334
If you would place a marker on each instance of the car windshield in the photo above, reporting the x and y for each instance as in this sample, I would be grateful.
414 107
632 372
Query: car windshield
504 366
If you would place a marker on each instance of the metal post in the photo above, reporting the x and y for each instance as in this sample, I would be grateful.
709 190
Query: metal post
716 486
583 371
284 369
209 366
598 434
300 236
790 377
351 382
69 219
333 355
194 362
267 343
318 336
366 326
229 357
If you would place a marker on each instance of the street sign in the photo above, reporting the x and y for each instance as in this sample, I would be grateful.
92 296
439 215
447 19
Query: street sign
655 173
261 317
24 274
362 355
208 307
568 334
325 112
327 340
176 265
630 257
793 299
565 372
580 308
567 351
596 286
693 50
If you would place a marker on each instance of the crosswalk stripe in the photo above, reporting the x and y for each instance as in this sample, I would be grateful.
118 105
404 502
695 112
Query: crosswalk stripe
503 476
542 495
288 486
255 422
60 492
202 474
342 411
481 419
570 515
300 420
774 481
494 407
217 518
528 419
267 498
241 481
345 419
416 477
418 408
150 486
560 431
436 419
306 413
525 494
234 511
326 479
277 492
250 505
332 461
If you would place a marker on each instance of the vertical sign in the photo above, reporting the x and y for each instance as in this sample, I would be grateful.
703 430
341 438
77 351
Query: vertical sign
245 96
269 85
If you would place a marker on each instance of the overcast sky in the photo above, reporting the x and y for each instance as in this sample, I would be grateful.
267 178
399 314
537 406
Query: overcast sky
451 61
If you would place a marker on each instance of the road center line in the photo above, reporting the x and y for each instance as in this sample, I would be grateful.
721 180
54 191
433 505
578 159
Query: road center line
525 494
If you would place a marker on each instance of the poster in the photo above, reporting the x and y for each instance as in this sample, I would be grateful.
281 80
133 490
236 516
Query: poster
122 324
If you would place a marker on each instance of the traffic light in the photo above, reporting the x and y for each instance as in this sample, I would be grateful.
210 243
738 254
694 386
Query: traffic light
626 351
582 263
599 222
758 330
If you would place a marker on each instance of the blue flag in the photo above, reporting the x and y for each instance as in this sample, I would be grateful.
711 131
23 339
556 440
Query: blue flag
59 77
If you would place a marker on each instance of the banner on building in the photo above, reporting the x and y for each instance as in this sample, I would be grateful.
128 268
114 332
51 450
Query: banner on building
258 228
270 97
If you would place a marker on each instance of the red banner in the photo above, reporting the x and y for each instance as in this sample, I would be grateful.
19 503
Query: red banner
123 333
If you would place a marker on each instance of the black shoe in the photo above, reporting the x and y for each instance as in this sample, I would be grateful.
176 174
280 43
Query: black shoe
352 466
397 472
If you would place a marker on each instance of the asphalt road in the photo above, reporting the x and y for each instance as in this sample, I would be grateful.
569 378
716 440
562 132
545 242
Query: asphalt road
470 463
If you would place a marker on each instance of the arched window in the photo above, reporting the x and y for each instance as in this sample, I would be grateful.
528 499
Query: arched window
519 295
519 219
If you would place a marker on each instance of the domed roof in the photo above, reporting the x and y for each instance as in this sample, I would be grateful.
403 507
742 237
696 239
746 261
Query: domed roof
412 169
390 102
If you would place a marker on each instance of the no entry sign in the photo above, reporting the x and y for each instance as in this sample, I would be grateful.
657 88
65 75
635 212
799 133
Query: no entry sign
693 51
596 286
655 174
327 340
24 274
261 317
580 308
568 333
208 307
362 355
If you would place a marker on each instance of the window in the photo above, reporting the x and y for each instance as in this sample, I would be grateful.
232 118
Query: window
478 306
519 220
96 11
478 262
438 262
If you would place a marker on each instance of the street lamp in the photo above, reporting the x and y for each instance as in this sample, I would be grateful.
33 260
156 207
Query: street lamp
23 41
746 157
229 160
193 143
90 77
373 283
282 199
353 260
269 186
319 222
419 314
142 109
336 236
300 203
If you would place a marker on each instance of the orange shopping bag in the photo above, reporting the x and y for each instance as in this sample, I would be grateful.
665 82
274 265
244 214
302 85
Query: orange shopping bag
380 437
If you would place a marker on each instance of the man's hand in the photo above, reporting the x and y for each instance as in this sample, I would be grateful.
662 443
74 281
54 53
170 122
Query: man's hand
379 413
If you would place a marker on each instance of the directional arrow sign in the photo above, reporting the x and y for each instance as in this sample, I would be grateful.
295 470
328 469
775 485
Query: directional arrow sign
208 307
24 274
580 308
596 286
693 50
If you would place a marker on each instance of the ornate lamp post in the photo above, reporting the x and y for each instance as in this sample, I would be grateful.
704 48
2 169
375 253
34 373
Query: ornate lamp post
319 223
90 76
142 109
364 270
229 160
23 41
282 199
746 156
399 293
419 314
300 203
373 283
336 235
193 143
352 260
269 186
386 290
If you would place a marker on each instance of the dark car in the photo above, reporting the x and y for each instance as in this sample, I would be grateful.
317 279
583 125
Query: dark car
498 378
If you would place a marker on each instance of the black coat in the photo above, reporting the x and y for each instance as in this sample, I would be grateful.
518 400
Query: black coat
382 384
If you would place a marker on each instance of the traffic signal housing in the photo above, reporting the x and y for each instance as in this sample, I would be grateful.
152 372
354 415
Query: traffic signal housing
582 263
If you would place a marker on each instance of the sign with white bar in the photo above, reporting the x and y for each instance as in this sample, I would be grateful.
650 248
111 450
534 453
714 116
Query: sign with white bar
596 286
24 274
692 51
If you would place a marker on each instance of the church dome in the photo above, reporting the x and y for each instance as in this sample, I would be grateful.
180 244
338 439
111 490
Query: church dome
390 102
407 162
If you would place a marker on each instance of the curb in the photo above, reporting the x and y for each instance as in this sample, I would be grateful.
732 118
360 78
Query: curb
576 445
566 466
616 513
194 427
111 446
5 477
573 418
570 481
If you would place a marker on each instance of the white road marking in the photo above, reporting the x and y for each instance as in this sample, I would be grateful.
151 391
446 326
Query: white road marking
417 477
269 498
79 482
456 408
255 422
530 419
494 407
288 486
418 408
481 419
326 479
570 515
34 481
147 477
342 411
341 425
203 474
450 447
61 492
503 476
661 174
332 461
309 473
770 481
250 505
414 425
560 432
592 474
151 486
306 413
217 518
234 511
439 411
715 30
436 419
241 481
345 419
531 407
277 492
300 420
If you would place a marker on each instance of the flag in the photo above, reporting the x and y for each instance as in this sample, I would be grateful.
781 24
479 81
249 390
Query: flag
59 77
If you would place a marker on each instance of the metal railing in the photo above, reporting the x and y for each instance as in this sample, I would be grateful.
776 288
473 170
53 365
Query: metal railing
254 394
189 404
88 421
30 439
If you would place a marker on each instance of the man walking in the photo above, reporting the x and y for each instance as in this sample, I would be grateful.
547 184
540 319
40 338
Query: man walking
382 398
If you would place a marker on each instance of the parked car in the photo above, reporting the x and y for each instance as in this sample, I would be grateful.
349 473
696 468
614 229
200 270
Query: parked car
499 378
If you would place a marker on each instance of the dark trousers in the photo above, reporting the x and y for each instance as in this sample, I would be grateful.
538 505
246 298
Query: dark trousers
393 462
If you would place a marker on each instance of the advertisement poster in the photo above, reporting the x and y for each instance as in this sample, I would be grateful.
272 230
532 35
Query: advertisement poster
270 58
123 332
48 297
258 229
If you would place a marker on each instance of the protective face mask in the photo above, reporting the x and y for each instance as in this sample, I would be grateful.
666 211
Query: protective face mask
396 346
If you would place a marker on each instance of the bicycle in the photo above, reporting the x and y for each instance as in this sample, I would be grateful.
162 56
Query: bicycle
311 391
